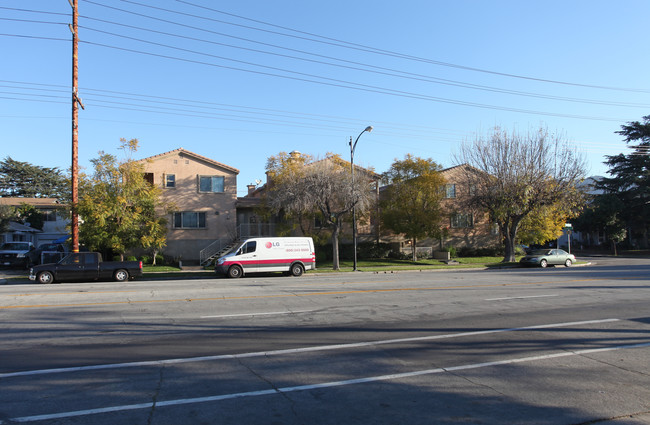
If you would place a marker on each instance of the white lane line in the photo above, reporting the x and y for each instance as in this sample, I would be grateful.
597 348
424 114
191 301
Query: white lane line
293 350
255 314
521 298
370 379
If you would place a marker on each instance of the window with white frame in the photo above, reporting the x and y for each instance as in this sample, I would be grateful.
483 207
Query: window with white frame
189 220
461 221
211 184
450 191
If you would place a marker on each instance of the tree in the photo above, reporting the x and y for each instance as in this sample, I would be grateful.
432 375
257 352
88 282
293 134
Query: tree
21 179
412 202
547 223
119 209
630 179
26 213
7 214
323 188
513 175
286 172
604 214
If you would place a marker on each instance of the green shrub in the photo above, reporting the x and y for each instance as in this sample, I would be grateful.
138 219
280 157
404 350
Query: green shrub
131 258
451 250
367 250
494 251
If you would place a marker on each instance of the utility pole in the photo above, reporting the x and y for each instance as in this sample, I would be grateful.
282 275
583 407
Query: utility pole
76 102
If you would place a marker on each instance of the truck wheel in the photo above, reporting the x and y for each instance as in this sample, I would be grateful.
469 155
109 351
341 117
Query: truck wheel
235 271
45 277
297 269
120 275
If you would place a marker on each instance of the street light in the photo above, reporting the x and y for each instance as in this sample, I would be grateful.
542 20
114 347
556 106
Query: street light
354 215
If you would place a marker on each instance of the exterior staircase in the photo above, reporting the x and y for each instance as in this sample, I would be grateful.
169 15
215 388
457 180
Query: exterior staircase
216 249
221 246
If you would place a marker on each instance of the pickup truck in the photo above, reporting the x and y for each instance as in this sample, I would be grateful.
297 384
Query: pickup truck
14 254
85 266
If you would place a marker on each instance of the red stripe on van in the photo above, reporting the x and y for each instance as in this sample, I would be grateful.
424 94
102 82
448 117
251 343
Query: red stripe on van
274 261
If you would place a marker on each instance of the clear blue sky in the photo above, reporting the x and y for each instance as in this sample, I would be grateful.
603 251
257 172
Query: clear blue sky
241 81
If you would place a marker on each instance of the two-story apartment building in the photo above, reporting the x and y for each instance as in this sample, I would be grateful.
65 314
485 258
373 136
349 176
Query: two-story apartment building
209 215
203 193
465 227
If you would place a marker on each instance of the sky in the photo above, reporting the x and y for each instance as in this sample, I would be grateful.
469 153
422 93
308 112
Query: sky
240 81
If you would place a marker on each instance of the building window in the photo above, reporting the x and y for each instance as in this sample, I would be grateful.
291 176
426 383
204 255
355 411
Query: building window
148 177
189 220
450 191
49 215
170 181
462 221
211 184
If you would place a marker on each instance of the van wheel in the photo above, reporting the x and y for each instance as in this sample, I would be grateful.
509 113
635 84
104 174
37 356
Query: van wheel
235 271
297 269
45 277
120 275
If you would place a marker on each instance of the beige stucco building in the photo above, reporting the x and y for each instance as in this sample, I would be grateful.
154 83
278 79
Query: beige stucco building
204 194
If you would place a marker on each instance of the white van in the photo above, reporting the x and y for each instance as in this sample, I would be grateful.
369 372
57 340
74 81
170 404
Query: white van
259 255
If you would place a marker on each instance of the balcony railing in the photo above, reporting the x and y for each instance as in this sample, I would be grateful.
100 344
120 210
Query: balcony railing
254 230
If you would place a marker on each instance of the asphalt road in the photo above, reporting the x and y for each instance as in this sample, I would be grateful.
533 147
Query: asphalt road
518 346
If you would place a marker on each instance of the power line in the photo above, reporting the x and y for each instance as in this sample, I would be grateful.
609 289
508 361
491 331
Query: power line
253 116
331 81
391 72
35 11
388 52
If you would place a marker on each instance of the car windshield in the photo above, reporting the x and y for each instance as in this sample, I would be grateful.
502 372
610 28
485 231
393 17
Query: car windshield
15 246
541 252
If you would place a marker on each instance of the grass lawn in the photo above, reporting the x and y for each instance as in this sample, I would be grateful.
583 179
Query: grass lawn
396 265
362 265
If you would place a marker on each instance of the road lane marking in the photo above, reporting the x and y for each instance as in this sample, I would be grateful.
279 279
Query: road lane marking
522 297
297 295
284 390
295 350
273 313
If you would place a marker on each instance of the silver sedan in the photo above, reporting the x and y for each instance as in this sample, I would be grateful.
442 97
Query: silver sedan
548 257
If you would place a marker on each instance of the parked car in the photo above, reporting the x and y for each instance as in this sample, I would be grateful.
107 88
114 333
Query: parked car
47 253
85 266
290 255
15 254
548 257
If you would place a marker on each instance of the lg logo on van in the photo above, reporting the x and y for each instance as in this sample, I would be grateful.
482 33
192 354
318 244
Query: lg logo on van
271 245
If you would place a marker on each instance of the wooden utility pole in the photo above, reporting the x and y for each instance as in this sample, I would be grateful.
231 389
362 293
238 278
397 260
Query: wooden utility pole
76 102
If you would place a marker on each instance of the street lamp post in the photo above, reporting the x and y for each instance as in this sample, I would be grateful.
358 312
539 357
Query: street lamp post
354 215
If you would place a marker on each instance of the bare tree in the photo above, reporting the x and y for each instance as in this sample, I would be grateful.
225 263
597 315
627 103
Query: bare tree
321 188
513 175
